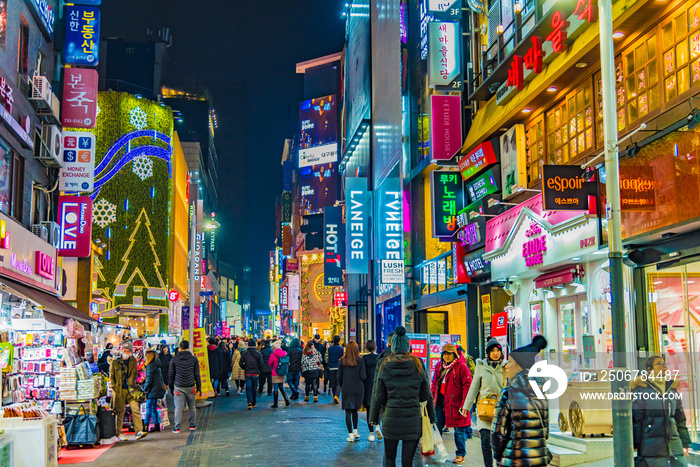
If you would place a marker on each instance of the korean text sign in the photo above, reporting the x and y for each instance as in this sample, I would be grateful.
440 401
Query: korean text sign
334 246
564 189
357 225
445 126
78 156
448 200
484 185
318 138
79 98
198 347
75 219
82 35
480 158
444 56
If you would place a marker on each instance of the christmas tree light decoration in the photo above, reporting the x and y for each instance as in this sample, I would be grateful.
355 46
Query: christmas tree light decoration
104 213
138 118
141 235
142 167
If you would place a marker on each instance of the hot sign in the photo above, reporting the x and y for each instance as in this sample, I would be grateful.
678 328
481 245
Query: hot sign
75 219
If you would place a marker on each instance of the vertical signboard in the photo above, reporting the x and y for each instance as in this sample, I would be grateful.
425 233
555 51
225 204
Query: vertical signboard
286 240
513 161
75 219
318 138
460 270
82 36
286 206
444 56
390 231
447 199
293 293
79 108
357 225
78 172
445 126
334 246
44 14
445 10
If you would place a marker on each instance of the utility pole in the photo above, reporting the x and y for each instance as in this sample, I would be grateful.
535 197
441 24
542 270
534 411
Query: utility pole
193 243
621 409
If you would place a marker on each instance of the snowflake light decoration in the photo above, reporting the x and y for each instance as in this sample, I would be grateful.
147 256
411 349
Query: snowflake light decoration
142 167
138 118
104 213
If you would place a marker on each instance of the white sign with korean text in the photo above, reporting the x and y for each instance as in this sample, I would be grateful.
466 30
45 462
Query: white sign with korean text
78 157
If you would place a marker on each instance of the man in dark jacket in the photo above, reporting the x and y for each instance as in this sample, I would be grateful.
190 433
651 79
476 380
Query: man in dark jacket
216 363
294 367
184 379
385 353
252 363
266 371
333 355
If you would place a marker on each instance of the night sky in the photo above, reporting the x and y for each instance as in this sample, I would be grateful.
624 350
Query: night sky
244 52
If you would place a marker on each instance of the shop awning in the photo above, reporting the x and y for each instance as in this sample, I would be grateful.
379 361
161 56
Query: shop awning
557 277
55 310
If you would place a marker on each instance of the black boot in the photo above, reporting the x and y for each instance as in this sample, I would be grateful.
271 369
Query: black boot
284 394
274 406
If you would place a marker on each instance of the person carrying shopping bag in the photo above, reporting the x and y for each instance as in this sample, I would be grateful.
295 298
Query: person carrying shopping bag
154 389
122 376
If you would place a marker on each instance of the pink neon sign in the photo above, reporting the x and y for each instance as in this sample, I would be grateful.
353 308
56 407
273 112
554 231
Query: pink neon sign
534 249
45 265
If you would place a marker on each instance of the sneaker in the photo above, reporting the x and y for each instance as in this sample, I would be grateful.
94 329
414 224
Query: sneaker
176 431
306 399
193 427
140 435
335 400
121 438
378 432
239 392
458 460
371 437
350 438
255 405
356 434
250 406
315 398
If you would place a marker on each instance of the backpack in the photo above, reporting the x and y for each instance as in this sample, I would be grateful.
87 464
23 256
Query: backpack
282 366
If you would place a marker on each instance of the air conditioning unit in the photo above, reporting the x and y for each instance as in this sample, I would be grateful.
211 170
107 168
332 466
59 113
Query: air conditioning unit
49 150
41 231
54 232
41 92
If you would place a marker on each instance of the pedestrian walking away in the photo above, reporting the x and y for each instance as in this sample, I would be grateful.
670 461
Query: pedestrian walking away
237 373
351 379
225 367
265 371
521 424
402 384
279 364
185 383
122 376
295 353
449 389
333 355
154 389
370 360
251 362
215 364
165 357
311 368
659 428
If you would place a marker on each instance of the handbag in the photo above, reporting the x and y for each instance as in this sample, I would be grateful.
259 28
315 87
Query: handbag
107 421
486 408
82 429
137 394
427 444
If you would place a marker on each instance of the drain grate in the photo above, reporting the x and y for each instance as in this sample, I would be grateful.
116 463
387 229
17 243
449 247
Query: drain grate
314 419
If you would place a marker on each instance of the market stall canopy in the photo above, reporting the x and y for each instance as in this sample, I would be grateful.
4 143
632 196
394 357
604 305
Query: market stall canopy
55 310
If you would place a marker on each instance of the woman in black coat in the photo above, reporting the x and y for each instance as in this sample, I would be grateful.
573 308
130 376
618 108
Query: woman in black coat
226 366
154 389
659 431
370 360
165 358
351 377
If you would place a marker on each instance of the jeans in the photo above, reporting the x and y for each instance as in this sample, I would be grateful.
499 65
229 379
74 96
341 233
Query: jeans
180 397
293 381
486 447
333 377
460 431
215 385
261 383
152 412
251 383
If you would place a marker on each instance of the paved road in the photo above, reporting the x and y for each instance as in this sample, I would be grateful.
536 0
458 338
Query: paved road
303 433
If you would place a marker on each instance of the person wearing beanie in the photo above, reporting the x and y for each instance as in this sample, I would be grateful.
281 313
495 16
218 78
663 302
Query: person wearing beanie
402 384
521 424
449 388
489 380
333 356
251 361
295 353
279 364
122 375
237 373
311 368
266 371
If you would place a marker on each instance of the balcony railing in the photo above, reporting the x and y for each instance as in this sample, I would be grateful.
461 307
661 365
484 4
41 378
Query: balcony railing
431 276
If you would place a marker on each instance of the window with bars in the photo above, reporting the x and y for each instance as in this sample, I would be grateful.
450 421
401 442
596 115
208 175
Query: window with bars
534 143
570 126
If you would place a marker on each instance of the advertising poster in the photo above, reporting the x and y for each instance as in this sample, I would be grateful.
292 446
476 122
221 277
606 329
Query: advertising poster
82 35
513 162
320 296
293 293
319 187
419 346
318 138
334 246
198 347
75 219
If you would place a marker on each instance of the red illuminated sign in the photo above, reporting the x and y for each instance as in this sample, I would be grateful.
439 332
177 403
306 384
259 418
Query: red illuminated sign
481 157
340 299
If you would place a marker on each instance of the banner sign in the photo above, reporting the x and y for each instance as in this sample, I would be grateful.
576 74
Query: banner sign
286 240
479 159
460 271
392 272
286 207
75 219
513 161
284 297
318 138
444 56
484 185
198 347
389 221
357 225
82 36
293 293
79 109
46 18
445 126
287 170
334 246
448 199
78 172
564 189
486 308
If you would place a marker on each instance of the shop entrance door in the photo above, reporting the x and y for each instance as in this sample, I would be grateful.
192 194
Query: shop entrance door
573 325
431 322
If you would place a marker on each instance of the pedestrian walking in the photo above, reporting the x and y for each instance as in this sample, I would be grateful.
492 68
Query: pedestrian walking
215 364
449 389
154 389
279 364
237 373
185 383
488 382
402 384
333 355
386 352
266 371
122 376
521 425
320 346
252 363
311 368
370 360
351 379
225 367
165 357
295 352
659 428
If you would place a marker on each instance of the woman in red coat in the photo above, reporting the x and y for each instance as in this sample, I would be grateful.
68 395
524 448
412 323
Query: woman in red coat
450 387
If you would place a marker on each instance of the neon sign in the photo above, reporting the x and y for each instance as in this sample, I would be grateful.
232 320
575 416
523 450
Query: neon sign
534 249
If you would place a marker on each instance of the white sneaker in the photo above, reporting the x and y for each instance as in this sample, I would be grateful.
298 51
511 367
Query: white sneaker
239 391
351 438
355 434
121 438
378 432
371 438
